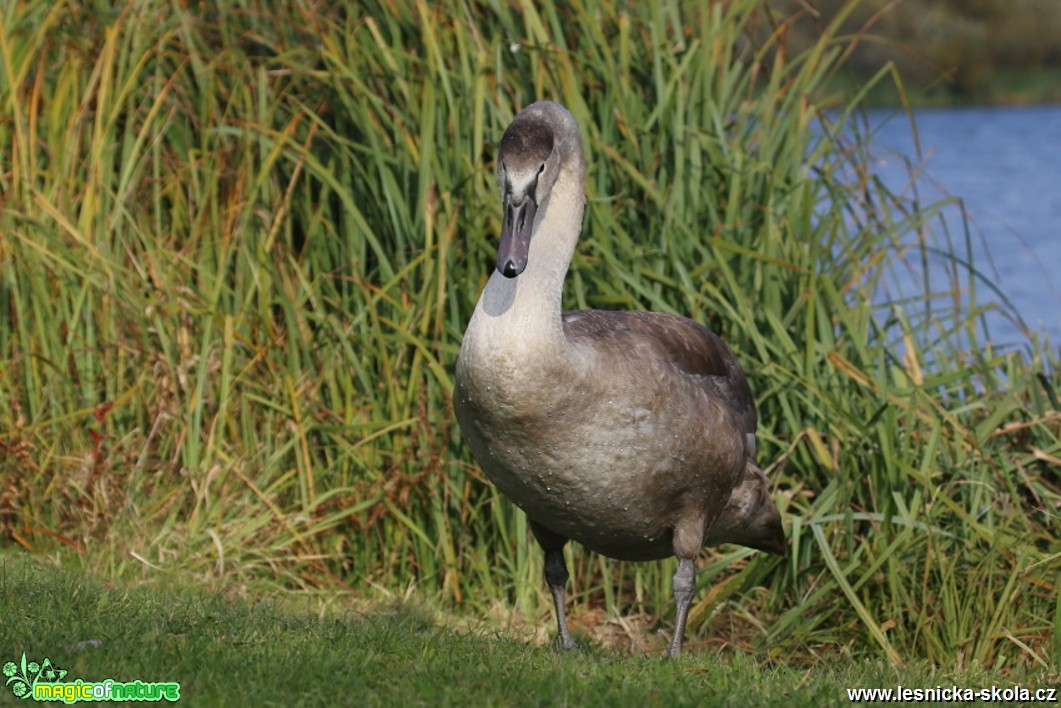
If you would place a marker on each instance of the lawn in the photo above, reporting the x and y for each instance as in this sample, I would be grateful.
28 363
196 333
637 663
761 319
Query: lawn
318 651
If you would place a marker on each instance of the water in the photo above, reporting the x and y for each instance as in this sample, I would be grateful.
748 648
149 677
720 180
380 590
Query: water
1005 163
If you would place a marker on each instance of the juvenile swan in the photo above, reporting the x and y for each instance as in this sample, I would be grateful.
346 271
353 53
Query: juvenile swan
632 433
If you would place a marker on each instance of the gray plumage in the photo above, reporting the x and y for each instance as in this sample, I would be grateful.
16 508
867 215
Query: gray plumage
632 433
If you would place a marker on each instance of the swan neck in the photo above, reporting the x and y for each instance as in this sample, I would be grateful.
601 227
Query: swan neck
531 302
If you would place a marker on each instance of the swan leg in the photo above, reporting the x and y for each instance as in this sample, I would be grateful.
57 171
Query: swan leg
684 584
688 538
556 577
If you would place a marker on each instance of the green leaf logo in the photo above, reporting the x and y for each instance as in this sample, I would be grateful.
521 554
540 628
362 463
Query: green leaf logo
23 676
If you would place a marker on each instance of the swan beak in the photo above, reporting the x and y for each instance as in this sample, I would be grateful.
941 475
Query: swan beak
513 252
772 532
778 545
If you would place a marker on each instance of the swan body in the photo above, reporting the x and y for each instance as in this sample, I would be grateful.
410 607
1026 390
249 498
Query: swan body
632 433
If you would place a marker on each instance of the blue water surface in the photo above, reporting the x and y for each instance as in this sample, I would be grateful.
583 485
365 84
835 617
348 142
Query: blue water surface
1005 164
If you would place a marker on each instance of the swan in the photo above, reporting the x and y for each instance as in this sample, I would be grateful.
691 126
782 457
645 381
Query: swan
632 433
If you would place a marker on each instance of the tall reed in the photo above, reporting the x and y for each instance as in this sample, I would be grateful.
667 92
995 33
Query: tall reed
239 245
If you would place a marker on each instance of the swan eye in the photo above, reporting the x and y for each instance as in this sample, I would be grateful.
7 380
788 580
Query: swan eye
541 170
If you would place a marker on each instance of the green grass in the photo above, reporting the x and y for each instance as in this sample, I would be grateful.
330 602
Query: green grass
238 651
238 249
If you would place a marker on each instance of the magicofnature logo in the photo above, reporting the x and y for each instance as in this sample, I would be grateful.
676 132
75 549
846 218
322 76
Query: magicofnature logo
44 682
22 679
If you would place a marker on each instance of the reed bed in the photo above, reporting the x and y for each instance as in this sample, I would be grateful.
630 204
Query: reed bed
239 245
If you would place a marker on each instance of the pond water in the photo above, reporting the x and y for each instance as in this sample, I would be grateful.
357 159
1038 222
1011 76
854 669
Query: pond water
1005 164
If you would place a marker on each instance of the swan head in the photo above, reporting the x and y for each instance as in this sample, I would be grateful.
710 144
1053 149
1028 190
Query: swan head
537 144
750 517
